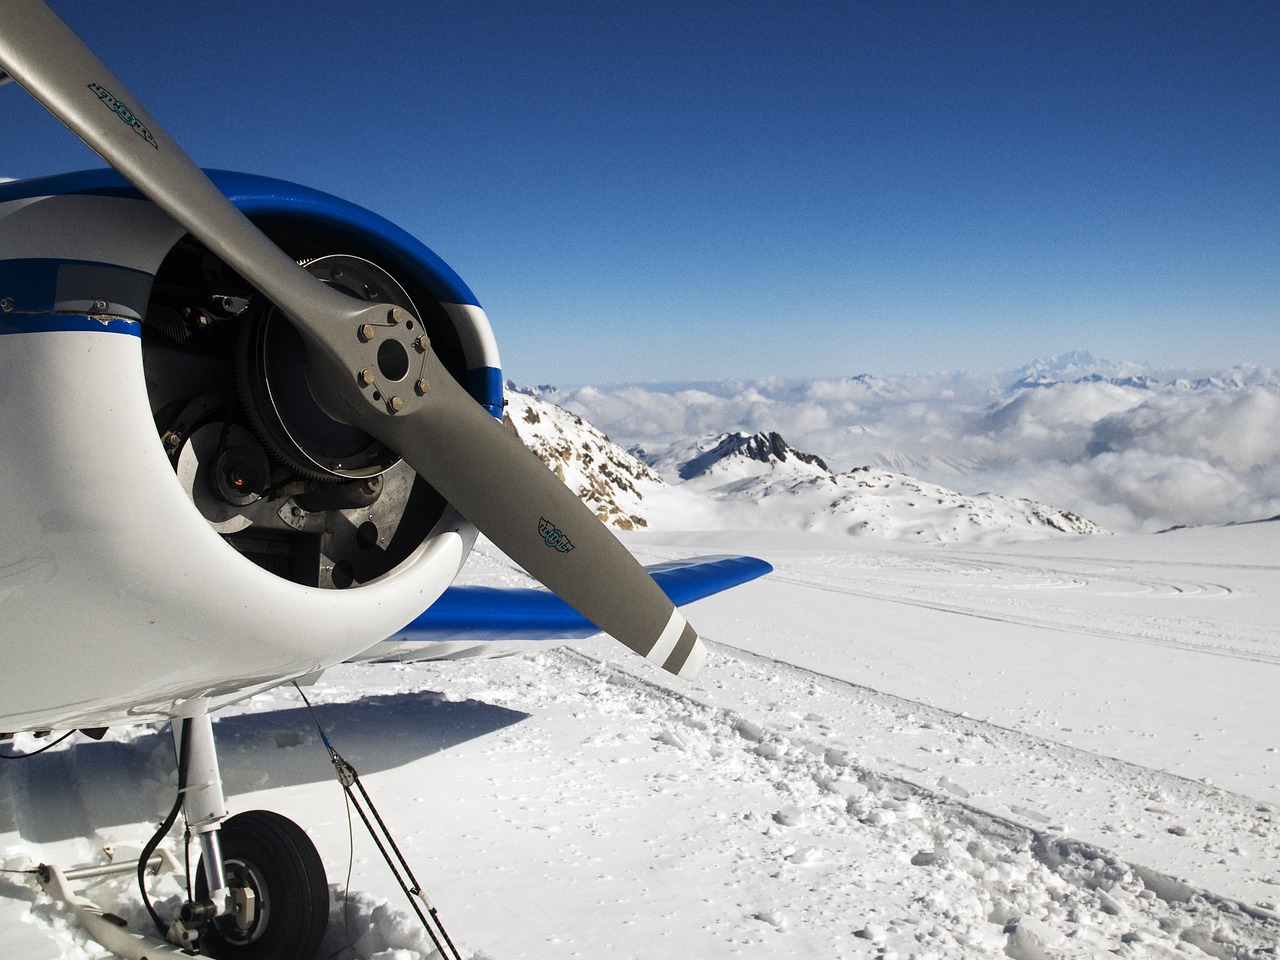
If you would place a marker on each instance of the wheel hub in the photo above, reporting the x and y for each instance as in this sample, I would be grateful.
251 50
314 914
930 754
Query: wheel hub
252 903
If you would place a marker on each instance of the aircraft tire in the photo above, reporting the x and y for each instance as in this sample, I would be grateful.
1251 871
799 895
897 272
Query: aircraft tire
272 855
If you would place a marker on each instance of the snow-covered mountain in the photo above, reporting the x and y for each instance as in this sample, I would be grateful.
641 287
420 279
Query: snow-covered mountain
731 452
1080 366
760 481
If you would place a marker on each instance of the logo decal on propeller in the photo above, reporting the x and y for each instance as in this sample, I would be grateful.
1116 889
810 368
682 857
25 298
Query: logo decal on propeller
553 536
125 114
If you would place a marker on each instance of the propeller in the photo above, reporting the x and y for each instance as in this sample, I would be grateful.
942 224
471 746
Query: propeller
370 366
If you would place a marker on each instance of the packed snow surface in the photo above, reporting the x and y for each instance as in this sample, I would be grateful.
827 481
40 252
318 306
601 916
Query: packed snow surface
1059 748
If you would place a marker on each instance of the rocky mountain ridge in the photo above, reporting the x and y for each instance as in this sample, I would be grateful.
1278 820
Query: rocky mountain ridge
605 477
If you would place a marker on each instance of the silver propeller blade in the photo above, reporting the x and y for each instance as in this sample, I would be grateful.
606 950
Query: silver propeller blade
374 367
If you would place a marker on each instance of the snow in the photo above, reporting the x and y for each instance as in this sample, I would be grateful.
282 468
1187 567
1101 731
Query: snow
1055 748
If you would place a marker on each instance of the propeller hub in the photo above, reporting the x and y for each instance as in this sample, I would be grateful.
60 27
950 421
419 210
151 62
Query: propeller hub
278 395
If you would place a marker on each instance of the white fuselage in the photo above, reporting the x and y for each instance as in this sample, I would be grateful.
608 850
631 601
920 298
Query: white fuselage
118 601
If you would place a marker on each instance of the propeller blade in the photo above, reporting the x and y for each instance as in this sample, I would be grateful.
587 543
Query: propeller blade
374 367
46 58
510 494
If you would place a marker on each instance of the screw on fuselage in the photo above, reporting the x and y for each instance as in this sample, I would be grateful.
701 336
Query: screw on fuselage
7 304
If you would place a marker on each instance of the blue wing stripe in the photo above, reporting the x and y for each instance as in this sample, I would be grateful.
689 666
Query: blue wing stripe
491 613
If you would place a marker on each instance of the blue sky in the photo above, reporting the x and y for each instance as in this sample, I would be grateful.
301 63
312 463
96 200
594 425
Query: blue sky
661 191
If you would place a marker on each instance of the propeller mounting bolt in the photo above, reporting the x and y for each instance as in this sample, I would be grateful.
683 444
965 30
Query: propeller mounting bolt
366 377
365 332
422 386
395 404
423 343
396 315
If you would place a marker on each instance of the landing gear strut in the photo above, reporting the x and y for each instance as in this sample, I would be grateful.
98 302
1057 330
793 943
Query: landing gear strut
261 891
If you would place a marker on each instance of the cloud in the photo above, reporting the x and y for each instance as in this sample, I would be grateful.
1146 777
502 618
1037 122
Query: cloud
1238 428
639 415
1132 457
1140 491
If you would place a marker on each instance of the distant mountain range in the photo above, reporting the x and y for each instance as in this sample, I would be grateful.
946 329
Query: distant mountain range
1133 447
1080 366
759 481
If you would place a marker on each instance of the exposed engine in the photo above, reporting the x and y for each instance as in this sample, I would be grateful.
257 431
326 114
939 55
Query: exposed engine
302 494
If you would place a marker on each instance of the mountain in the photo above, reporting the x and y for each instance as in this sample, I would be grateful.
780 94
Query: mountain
899 506
1080 366
760 448
759 481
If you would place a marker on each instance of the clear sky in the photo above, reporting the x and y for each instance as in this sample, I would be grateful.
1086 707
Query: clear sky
672 190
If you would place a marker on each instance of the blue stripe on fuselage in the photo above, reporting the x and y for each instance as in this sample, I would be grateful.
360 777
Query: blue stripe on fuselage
61 322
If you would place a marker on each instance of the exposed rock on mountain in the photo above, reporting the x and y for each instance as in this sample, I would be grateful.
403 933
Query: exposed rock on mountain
604 476
767 448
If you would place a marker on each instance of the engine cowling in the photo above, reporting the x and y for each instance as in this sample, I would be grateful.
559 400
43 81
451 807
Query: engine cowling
184 520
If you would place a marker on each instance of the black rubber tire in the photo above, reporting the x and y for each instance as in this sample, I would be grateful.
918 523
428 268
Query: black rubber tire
273 855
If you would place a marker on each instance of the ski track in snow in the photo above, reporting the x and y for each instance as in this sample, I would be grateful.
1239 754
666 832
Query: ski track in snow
1203 636
579 803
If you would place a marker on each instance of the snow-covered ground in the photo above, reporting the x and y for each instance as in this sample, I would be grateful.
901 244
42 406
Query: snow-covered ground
1059 748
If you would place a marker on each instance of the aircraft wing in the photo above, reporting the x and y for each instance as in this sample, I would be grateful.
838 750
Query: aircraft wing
473 621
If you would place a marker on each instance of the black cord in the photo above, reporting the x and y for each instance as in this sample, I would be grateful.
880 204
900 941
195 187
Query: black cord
348 777
184 744
47 746
186 859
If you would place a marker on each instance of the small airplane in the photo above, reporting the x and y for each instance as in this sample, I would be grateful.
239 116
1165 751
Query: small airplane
252 431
